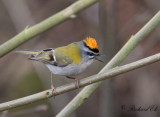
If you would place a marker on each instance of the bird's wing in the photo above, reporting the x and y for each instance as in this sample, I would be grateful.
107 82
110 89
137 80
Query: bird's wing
56 58
61 60
48 56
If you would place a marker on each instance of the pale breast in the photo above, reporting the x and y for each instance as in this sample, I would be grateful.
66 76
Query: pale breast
69 70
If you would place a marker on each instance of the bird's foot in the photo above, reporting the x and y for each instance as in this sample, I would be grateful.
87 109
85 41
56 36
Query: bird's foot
53 90
77 83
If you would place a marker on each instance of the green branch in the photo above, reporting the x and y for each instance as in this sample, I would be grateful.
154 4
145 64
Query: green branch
92 79
118 58
30 32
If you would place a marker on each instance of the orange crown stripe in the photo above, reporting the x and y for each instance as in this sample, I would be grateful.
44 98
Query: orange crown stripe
91 43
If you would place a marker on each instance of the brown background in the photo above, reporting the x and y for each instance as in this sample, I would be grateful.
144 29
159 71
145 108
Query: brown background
111 22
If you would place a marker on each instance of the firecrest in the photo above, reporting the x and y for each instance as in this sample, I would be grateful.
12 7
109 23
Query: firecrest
67 60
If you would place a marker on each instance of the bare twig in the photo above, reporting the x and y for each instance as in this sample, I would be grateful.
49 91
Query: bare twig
30 32
117 59
87 81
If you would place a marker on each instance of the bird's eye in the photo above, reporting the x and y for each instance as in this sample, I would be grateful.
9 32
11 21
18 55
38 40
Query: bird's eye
90 53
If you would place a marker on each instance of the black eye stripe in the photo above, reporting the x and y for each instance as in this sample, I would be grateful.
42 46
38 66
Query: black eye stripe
90 54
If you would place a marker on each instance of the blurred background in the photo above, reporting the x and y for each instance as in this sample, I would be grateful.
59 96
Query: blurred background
111 22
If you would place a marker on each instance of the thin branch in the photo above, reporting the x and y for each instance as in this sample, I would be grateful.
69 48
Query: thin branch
117 59
87 81
37 109
30 32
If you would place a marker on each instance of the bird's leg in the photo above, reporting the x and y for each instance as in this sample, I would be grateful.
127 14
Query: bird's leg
52 86
76 80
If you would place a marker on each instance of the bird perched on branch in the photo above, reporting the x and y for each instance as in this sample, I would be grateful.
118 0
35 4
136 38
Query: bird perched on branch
67 60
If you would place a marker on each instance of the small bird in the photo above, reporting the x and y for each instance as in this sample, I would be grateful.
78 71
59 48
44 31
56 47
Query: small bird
67 60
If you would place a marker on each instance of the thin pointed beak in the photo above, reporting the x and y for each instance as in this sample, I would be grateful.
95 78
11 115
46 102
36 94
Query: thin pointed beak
100 55
99 60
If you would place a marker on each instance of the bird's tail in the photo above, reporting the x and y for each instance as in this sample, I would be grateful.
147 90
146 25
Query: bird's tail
36 55
32 54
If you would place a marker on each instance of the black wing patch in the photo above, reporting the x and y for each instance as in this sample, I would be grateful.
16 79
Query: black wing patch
48 49
51 57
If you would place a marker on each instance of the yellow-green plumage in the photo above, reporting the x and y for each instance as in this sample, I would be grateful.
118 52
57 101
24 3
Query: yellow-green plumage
70 53
61 56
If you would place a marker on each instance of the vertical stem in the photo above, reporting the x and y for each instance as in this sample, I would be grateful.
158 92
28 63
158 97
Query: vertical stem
117 59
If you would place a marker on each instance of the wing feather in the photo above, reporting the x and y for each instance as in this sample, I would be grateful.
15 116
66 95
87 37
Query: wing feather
48 56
